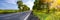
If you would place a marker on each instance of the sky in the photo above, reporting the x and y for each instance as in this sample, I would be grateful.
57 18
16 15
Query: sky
8 4
11 4
29 3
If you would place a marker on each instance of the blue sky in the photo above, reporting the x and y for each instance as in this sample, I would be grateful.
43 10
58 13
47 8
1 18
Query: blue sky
29 3
11 4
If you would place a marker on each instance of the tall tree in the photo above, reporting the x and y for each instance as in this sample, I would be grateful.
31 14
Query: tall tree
22 7
20 4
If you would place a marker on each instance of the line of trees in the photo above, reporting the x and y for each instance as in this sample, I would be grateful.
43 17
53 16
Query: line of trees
39 5
42 5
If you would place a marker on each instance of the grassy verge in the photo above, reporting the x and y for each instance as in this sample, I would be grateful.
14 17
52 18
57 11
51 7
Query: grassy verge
50 16
55 16
41 15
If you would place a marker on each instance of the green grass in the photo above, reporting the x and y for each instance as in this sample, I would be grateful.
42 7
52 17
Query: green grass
10 11
43 16
7 11
55 16
40 15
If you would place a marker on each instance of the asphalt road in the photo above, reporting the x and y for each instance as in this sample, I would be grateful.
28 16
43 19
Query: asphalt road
15 16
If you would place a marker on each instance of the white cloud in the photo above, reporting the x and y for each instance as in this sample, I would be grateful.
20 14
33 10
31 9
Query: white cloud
11 1
30 4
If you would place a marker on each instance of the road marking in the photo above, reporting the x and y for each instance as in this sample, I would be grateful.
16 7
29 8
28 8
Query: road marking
27 16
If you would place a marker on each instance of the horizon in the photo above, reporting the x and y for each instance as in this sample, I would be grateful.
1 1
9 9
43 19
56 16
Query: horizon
11 4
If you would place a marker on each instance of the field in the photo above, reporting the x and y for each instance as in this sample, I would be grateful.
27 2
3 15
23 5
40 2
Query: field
7 11
53 15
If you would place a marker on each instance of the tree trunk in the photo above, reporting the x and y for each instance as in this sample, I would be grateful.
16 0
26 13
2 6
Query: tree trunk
48 8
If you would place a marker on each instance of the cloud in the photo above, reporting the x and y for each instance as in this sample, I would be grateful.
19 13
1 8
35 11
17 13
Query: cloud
29 3
11 1
8 6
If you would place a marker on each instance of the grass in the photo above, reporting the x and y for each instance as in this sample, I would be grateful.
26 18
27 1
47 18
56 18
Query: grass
10 11
55 16
41 15
50 16
7 11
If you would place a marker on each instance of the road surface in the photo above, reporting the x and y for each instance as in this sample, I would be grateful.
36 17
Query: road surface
27 15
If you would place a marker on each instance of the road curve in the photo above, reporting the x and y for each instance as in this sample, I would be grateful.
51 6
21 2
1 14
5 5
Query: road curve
15 16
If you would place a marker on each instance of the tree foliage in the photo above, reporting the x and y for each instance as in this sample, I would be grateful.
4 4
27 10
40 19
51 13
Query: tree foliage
42 5
39 5
25 8
22 7
20 3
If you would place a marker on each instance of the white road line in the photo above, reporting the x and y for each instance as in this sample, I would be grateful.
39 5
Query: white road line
27 16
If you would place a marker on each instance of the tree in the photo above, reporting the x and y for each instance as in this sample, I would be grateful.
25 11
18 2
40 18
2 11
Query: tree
25 8
39 5
42 4
20 4
22 7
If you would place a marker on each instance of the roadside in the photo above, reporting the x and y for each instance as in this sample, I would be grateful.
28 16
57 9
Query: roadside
32 17
50 16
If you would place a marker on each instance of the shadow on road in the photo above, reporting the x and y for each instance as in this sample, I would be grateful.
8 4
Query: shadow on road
32 17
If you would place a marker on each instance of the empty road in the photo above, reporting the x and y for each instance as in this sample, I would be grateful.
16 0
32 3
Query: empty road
15 16
27 15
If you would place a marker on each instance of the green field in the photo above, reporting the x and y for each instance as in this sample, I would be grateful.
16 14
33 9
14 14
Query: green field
7 11
50 16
